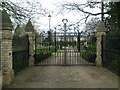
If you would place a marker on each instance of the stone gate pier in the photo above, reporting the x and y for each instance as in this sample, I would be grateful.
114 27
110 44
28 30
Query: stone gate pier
30 32
6 49
100 32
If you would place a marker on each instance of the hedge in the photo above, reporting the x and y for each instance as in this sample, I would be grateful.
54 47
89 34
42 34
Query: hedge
90 53
42 55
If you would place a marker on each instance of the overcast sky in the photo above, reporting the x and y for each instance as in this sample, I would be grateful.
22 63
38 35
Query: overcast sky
51 5
71 16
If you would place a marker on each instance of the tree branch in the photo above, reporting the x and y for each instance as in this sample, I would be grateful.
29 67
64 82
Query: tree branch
74 6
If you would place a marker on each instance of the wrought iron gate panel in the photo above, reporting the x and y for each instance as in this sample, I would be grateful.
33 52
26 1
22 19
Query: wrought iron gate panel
58 49
20 46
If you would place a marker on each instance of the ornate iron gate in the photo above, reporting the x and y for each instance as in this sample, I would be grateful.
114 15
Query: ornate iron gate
59 49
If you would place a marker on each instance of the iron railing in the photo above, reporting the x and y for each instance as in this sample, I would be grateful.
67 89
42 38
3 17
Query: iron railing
111 53
20 52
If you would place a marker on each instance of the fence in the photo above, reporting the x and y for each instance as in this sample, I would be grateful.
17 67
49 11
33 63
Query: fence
111 53
20 52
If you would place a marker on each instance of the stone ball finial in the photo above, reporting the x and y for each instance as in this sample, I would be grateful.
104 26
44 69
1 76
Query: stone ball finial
29 27
100 27
6 21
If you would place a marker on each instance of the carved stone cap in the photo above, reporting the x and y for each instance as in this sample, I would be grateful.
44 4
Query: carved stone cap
20 31
6 23
100 27
29 27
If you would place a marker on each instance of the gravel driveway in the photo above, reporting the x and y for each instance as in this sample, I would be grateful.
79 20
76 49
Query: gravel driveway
65 77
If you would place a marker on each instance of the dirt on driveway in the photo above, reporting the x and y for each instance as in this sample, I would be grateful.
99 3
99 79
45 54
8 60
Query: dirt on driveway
65 77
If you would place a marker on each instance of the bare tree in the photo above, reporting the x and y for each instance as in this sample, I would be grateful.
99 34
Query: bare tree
80 7
20 11
91 25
